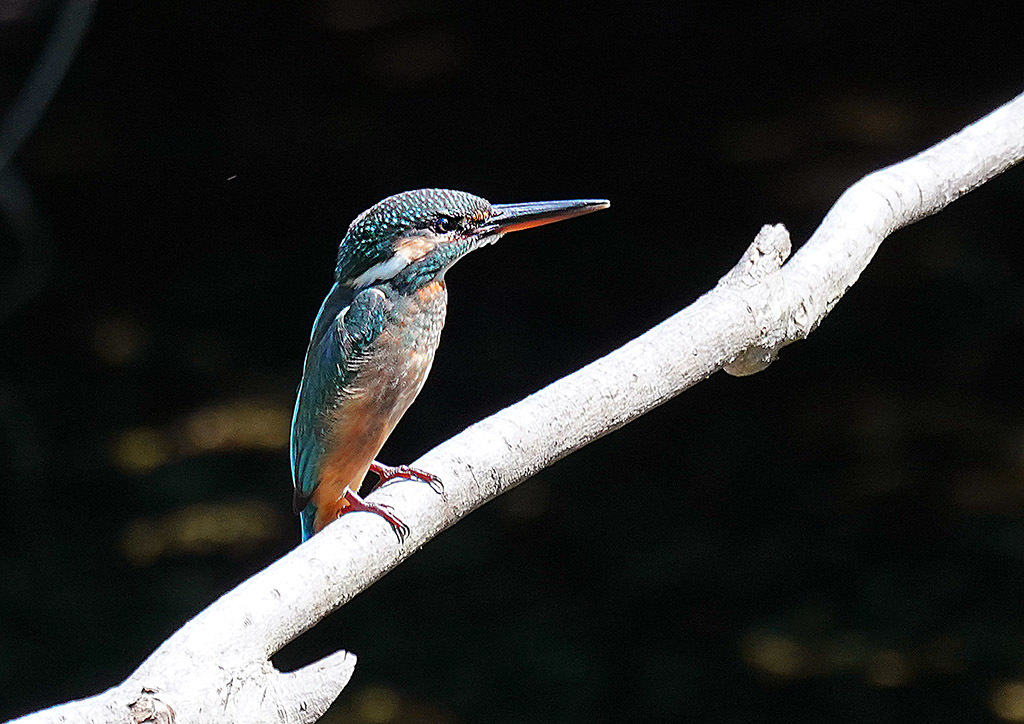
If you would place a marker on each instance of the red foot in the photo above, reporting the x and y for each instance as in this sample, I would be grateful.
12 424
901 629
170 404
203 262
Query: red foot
386 473
356 505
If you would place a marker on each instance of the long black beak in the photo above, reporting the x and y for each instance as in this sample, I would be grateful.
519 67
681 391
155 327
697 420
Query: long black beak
513 217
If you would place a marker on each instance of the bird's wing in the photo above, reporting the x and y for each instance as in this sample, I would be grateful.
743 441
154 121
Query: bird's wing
346 326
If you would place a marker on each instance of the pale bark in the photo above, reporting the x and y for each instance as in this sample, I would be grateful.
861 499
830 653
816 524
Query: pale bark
216 668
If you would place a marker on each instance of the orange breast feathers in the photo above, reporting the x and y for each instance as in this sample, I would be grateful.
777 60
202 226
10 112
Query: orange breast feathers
389 379
355 440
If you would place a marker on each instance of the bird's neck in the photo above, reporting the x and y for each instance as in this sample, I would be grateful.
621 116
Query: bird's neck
431 298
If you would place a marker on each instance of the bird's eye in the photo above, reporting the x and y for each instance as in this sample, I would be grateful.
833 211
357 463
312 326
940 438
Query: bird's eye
444 224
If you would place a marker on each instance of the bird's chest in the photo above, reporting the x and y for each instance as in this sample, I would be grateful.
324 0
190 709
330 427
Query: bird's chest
395 367
401 355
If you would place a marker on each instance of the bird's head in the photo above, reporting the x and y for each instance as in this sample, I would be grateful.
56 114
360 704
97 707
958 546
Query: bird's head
411 238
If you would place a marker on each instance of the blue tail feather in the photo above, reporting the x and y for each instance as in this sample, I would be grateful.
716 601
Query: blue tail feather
306 520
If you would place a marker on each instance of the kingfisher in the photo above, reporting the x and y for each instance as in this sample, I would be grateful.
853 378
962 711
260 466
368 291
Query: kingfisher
374 339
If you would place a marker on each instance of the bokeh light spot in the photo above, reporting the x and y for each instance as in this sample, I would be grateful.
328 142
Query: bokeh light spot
774 654
377 704
1007 701
139 450
201 529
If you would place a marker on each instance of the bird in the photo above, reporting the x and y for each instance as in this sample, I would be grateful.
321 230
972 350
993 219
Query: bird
374 338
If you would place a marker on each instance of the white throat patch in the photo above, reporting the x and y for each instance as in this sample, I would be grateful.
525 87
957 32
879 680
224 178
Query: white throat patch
384 270
410 248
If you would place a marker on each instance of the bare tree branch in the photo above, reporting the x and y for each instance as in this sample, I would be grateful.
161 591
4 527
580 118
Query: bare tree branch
216 668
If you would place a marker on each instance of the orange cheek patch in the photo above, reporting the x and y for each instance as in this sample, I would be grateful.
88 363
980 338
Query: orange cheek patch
414 248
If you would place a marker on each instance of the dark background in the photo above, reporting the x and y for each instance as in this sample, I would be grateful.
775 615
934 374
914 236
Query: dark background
836 539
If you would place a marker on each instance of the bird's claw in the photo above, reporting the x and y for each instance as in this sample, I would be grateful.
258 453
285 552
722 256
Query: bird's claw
356 504
388 474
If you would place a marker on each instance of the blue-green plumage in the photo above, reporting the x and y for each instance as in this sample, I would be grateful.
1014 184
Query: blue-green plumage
318 380
374 339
